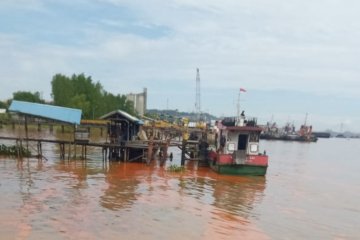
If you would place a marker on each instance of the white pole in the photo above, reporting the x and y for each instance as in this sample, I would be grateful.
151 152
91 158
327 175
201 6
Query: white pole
238 110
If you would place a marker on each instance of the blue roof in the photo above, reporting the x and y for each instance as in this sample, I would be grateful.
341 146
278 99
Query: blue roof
62 114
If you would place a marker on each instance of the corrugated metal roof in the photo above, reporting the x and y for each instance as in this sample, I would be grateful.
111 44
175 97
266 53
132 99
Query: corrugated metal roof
62 114
112 115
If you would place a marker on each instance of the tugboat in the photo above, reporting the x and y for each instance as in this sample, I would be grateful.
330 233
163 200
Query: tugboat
288 133
237 148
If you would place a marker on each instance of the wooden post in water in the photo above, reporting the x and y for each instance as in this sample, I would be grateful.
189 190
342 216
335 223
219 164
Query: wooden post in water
26 133
126 154
82 151
185 137
69 151
183 150
61 150
104 153
164 149
18 148
150 150
39 149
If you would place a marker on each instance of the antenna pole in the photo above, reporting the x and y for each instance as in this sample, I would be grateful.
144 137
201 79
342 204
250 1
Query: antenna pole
238 109
197 100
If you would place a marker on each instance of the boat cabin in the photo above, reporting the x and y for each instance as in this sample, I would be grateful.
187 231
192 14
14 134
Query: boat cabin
237 140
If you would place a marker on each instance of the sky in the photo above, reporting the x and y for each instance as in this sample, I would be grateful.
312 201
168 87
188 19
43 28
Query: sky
295 58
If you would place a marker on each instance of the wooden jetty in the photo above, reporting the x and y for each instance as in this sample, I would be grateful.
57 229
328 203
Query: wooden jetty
122 142
106 148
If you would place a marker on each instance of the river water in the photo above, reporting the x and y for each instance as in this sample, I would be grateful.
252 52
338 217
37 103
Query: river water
311 191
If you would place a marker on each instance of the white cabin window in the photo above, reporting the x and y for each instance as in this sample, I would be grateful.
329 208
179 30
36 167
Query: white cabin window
231 147
254 148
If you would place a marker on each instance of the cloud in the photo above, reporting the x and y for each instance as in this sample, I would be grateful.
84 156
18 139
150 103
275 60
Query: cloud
260 45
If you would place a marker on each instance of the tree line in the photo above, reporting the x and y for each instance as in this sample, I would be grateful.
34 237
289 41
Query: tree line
78 91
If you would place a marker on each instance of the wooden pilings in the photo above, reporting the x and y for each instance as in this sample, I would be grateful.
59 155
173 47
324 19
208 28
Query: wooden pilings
183 151
104 153
83 152
150 150
19 147
39 149
129 151
62 151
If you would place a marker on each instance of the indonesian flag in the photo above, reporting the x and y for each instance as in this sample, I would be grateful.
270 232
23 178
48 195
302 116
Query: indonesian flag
242 90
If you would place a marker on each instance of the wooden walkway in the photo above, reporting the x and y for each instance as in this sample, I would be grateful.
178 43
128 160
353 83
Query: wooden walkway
143 147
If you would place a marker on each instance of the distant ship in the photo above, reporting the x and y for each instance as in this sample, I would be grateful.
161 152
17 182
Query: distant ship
322 134
340 135
288 133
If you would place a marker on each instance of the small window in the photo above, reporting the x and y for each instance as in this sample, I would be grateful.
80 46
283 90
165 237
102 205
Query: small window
231 147
254 147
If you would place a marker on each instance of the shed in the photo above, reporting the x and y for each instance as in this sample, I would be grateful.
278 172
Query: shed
56 113
123 126
61 114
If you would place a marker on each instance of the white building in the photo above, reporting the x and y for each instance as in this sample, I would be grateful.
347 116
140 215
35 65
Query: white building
139 100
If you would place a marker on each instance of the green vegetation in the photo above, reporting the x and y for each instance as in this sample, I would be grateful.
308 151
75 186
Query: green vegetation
3 105
14 151
80 92
4 118
77 91
28 96
175 168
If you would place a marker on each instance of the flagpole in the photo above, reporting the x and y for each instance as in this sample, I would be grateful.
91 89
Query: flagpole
238 118
238 105
238 110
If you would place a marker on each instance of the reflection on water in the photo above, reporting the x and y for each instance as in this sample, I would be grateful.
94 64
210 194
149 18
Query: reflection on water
238 197
92 199
121 189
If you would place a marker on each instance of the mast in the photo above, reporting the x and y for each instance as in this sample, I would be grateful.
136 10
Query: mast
197 98
238 110
239 117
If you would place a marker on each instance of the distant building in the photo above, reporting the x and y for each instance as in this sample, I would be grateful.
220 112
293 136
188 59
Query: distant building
2 110
139 100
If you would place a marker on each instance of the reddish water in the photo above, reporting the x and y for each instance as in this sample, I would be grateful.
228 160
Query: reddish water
311 191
